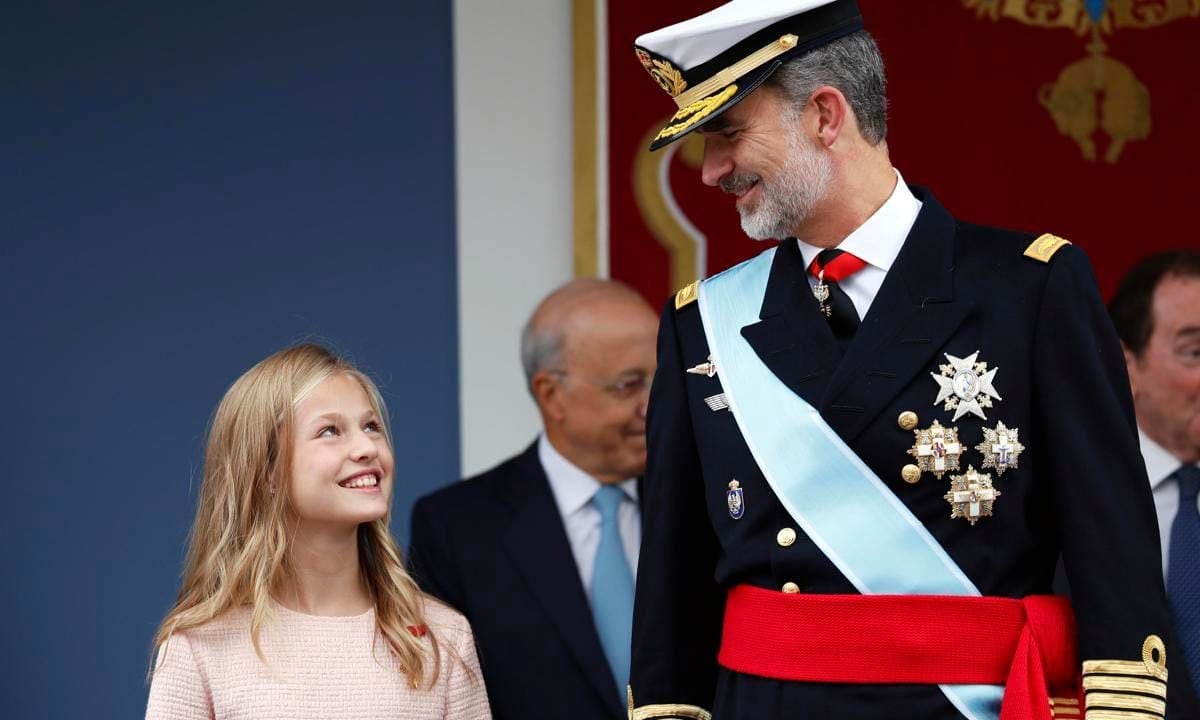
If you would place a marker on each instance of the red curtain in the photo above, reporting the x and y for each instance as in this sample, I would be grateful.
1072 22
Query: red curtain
1075 117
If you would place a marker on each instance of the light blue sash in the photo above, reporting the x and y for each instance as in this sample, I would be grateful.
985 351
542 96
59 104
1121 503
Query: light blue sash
860 525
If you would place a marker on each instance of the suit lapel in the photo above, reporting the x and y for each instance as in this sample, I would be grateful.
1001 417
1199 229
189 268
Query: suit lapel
541 554
792 338
913 314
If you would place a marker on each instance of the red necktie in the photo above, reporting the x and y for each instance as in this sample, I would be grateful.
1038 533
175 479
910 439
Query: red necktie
830 267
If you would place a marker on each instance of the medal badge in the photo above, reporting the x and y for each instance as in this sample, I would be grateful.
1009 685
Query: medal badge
936 449
735 501
971 495
821 292
965 386
707 369
1000 447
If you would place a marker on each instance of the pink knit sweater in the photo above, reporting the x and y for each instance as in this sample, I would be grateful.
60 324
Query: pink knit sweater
319 667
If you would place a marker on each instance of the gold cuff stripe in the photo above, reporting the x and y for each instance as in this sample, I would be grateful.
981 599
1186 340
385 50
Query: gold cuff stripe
1116 683
1045 246
1064 708
722 78
1118 667
1121 715
1126 702
669 712
687 295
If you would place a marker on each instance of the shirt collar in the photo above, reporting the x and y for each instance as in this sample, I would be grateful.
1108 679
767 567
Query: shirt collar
1160 463
879 239
572 487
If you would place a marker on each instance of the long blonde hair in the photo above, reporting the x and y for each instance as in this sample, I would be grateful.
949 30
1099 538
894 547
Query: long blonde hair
238 547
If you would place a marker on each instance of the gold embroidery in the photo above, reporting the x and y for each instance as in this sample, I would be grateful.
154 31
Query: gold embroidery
668 77
670 712
721 78
1045 246
1128 688
687 295
1118 683
1096 92
1126 702
690 116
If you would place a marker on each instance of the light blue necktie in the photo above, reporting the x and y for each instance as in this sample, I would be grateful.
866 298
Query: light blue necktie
1183 570
612 588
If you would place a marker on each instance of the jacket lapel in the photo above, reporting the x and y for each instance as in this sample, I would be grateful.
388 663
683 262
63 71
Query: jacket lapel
792 338
541 554
913 314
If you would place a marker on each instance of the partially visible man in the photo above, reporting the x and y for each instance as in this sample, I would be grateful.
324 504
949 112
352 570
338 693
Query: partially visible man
869 444
1157 313
540 552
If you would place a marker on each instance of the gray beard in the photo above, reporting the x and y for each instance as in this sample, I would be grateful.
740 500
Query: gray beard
789 199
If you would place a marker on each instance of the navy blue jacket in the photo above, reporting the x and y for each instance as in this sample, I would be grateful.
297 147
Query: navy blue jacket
494 548
1080 489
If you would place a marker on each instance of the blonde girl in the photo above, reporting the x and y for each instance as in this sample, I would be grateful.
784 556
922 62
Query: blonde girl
295 602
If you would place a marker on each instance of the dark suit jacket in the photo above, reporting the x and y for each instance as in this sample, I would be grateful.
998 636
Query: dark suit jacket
1080 488
494 547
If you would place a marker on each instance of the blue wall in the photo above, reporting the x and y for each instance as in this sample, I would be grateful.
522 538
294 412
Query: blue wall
185 188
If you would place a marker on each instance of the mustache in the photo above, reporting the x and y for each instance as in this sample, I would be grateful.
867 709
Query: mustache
738 184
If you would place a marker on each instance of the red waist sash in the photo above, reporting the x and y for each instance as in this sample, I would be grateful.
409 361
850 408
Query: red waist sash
1028 645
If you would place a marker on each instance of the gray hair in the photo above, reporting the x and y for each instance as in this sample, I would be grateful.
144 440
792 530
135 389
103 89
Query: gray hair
541 349
851 64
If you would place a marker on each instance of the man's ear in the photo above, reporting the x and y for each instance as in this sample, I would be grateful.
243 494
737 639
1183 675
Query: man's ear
547 392
831 113
1131 366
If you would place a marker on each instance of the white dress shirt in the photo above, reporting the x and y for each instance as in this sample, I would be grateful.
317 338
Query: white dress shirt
573 490
877 241
1160 465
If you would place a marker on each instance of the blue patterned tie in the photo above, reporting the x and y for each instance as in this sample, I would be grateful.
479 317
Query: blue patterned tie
612 588
1183 569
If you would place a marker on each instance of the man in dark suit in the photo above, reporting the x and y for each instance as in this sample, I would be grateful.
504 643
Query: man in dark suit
540 552
1157 314
869 445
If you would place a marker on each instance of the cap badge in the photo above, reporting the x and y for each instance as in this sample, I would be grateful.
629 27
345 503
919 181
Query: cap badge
965 385
668 77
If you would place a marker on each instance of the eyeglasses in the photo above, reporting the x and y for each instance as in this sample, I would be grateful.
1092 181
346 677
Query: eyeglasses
625 387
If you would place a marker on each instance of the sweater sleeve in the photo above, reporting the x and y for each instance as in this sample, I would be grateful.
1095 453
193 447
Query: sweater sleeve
466 695
178 690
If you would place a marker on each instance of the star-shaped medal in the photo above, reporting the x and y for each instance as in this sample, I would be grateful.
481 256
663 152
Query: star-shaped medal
971 495
936 449
1000 447
965 385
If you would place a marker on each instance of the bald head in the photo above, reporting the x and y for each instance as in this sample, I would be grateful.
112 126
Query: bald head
588 354
572 310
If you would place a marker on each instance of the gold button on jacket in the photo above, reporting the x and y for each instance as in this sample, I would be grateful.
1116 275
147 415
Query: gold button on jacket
791 588
908 420
785 537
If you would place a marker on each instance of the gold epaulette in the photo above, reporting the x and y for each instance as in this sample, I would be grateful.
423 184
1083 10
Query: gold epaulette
671 711
1044 247
686 296
1127 689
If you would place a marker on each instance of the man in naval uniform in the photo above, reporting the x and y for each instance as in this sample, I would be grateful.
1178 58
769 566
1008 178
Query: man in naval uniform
869 445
